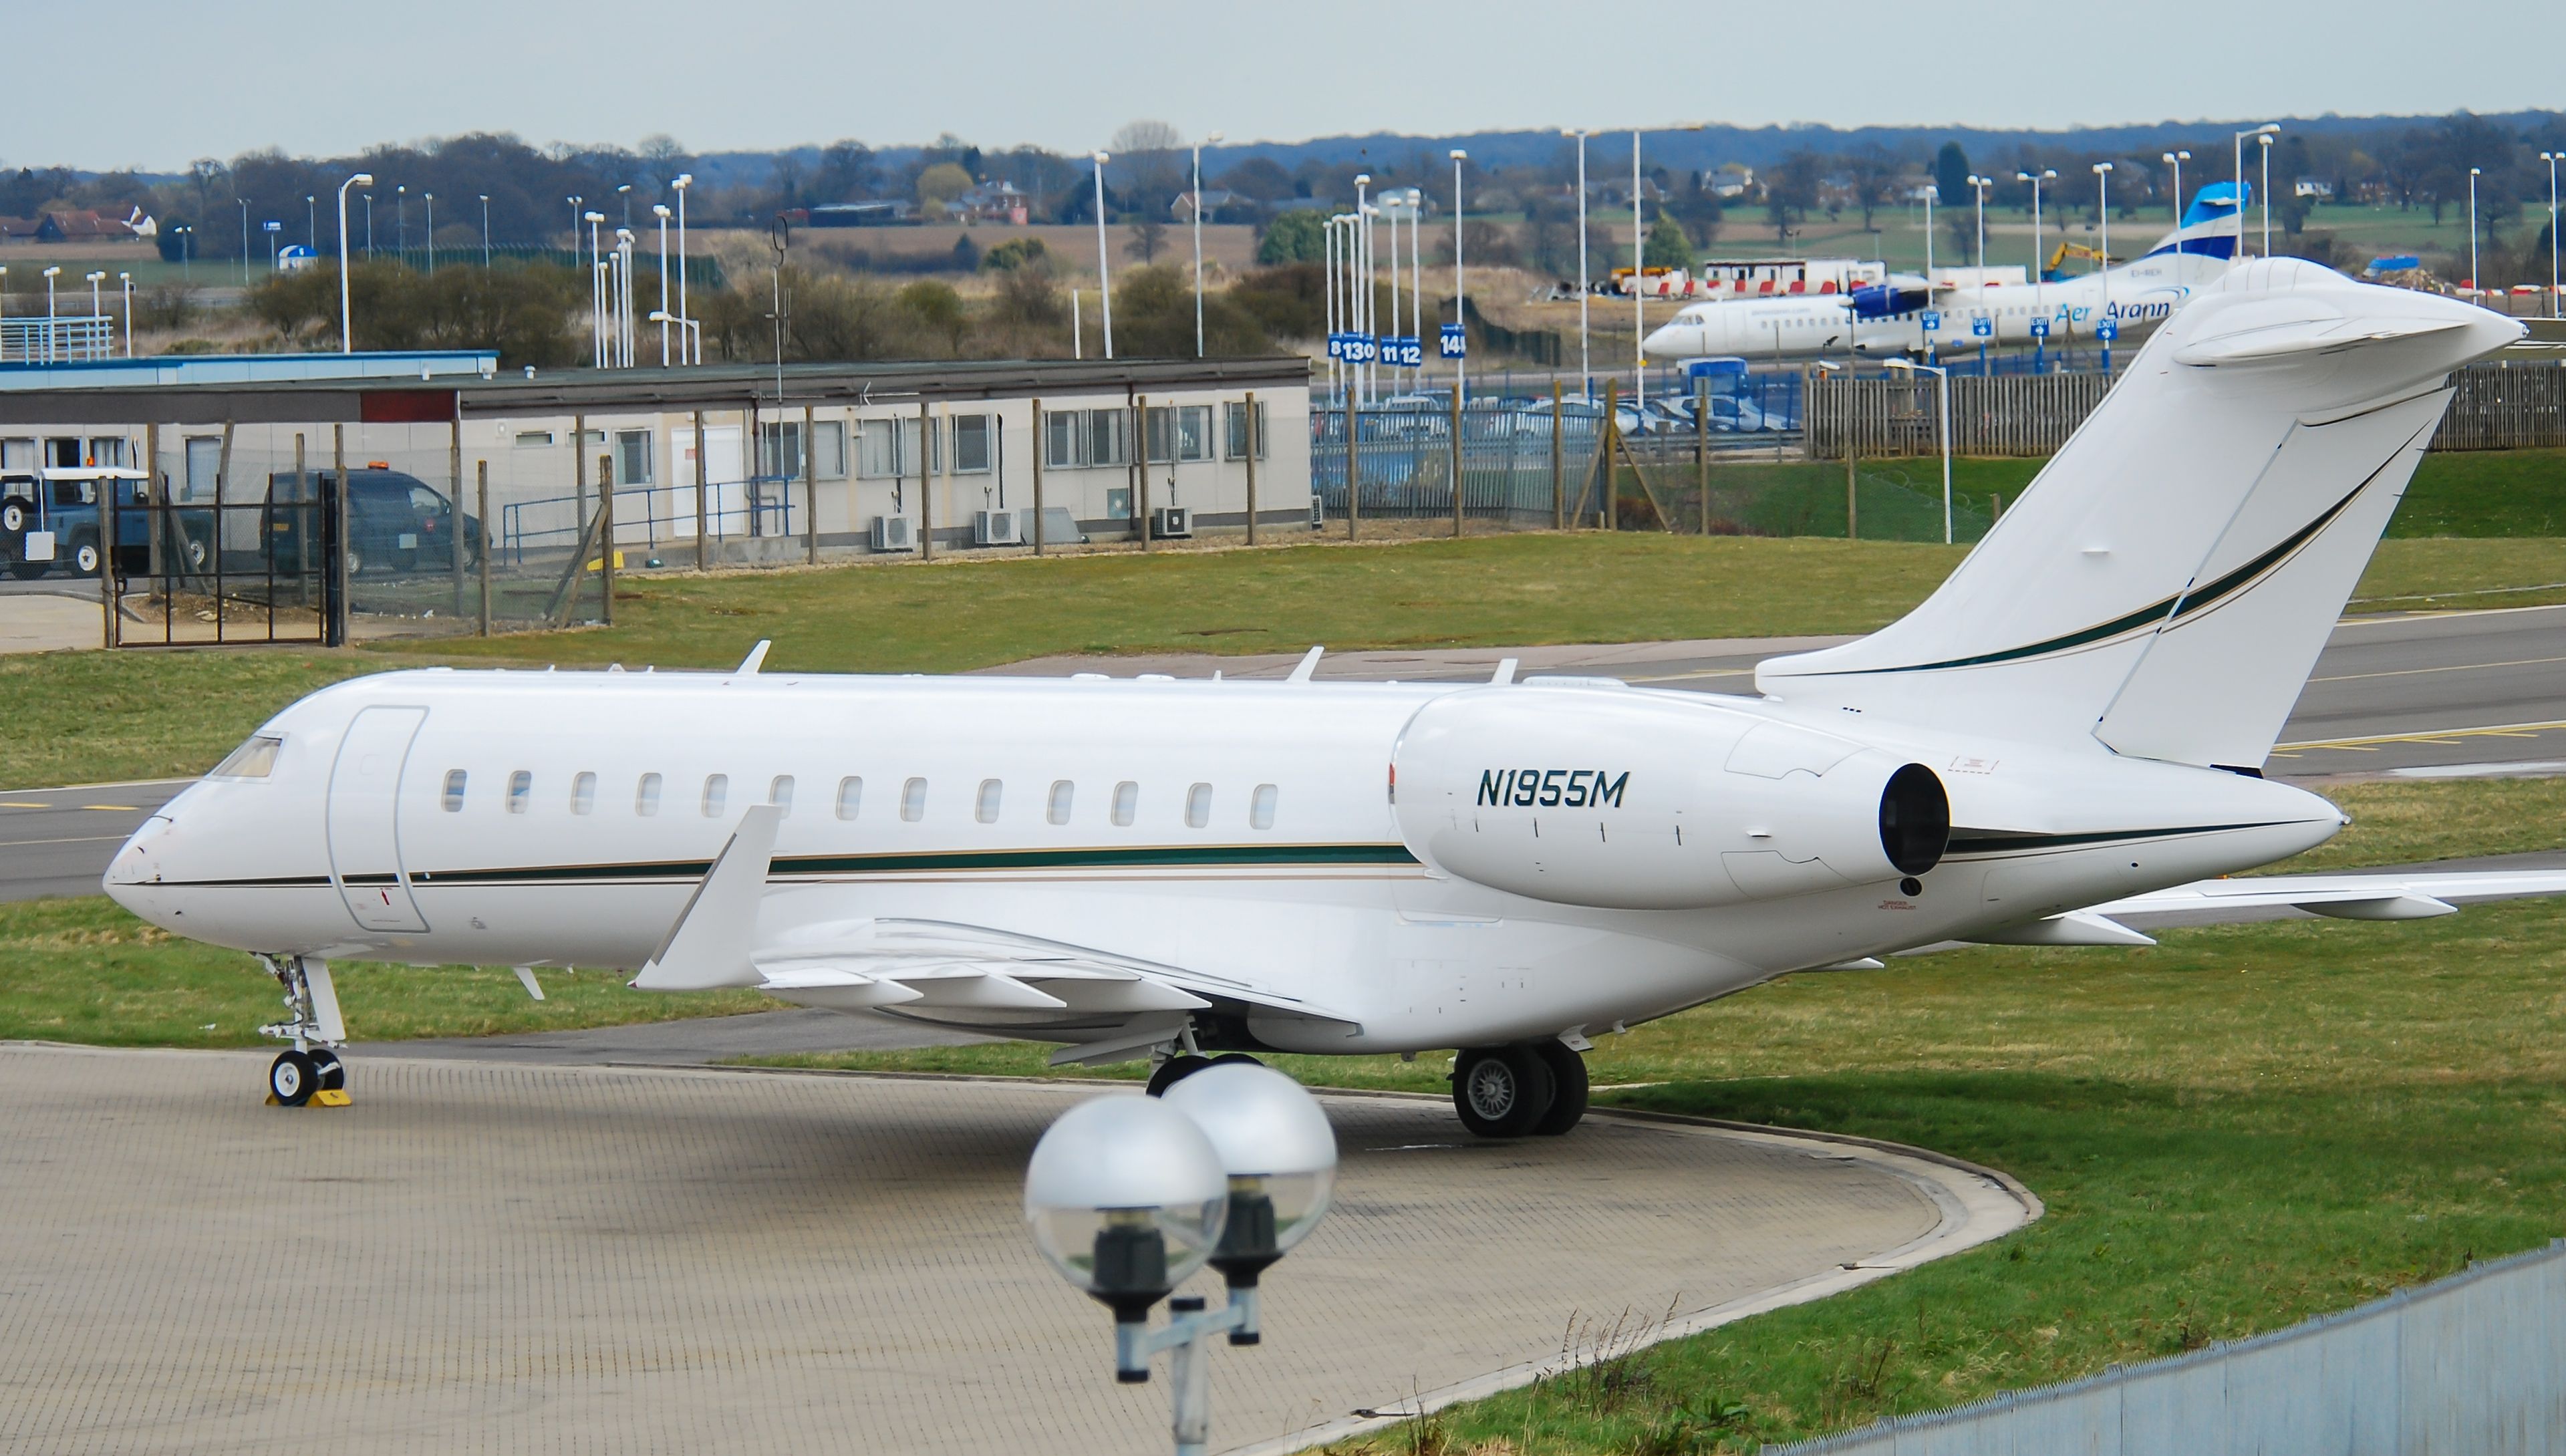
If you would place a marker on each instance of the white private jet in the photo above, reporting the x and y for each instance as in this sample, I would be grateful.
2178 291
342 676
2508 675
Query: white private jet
1890 319
2070 726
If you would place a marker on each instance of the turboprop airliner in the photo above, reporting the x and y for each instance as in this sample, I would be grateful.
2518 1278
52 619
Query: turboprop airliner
1889 318
2070 728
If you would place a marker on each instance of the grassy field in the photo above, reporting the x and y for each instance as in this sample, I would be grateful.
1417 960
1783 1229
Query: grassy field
2238 1128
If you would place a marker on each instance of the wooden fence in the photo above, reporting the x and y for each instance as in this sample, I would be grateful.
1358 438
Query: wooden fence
2498 406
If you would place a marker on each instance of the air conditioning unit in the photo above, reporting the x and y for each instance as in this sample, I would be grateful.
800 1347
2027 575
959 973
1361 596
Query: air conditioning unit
998 528
1171 521
894 532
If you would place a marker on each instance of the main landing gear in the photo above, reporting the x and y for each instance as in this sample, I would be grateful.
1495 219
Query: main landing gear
1530 1088
311 1072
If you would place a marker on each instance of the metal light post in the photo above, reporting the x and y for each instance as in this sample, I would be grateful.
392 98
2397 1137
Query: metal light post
1460 296
659 210
97 310
2103 265
683 181
274 231
1327 300
1931 193
401 221
485 231
2266 143
2238 140
1199 317
312 223
51 333
1127 1197
1638 289
1364 324
1104 271
244 261
2039 271
1416 278
347 313
574 223
1584 363
1978 192
1390 214
431 199
125 281
1943 379
2473 289
369 225
186 252
624 193
2176 159
596 286
2552 158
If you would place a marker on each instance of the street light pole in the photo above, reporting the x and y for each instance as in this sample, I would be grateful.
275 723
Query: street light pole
1199 317
596 286
1104 271
659 210
2266 143
1943 379
2176 159
692 350
97 310
1460 296
2238 141
2473 232
2103 265
2552 158
244 261
347 313
1639 288
485 231
1362 279
312 223
431 199
2039 270
126 282
1585 362
51 332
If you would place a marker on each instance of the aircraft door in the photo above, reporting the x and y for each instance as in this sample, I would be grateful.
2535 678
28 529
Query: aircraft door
364 794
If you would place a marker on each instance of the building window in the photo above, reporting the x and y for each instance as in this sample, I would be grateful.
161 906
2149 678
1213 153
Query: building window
1234 436
912 800
582 793
1062 794
632 457
1118 503
521 786
645 797
1198 806
1126 802
984 807
974 445
851 796
453 798
829 449
887 449
780 794
1106 435
1179 434
716 792
1062 435
1260 809
779 449
533 439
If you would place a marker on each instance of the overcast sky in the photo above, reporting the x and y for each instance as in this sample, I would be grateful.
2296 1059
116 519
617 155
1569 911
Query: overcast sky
160 82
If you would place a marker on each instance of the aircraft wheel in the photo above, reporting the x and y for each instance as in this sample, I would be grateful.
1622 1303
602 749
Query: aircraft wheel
1175 1070
329 1071
1501 1091
293 1077
1568 1076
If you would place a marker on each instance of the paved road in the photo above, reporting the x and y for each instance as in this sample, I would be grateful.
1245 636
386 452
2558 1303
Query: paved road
2423 695
688 1043
513 1259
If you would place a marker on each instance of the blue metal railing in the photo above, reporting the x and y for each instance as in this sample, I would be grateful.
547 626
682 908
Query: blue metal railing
651 514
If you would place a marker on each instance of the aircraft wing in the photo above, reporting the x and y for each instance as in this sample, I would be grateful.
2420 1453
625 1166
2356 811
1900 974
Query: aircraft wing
2271 896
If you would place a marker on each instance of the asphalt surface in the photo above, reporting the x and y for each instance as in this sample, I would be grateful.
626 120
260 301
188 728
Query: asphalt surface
2420 695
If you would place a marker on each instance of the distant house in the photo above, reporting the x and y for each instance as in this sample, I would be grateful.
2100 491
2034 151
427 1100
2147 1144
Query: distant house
19 229
860 214
997 202
1214 200
2311 187
83 227
1731 179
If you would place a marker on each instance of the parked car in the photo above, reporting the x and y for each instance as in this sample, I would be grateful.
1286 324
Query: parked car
50 519
396 522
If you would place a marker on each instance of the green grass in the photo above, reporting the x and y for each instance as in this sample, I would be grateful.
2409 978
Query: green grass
83 970
2238 1128
2485 493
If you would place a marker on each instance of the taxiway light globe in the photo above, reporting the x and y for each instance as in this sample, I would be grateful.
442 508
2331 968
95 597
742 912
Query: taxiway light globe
1278 1152
1127 1199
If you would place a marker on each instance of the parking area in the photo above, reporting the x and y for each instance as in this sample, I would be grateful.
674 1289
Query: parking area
514 1258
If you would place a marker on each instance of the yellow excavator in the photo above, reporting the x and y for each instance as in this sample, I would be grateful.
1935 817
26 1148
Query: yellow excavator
2066 251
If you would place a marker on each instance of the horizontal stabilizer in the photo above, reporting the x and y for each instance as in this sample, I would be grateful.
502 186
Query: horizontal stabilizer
710 944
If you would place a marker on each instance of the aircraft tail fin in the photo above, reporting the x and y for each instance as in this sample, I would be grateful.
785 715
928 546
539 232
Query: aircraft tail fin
2166 583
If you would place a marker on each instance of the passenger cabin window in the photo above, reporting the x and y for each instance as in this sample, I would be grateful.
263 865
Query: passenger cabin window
1198 806
521 786
716 792
1062 794
984 806
780 794
255 759
645 797
582 793
453 799
912 800
851 796
1126 802
1260 809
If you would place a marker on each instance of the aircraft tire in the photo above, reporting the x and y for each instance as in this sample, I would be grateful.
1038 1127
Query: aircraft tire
1501 1091
330 1072
1567 1077
1175 1070
293 1078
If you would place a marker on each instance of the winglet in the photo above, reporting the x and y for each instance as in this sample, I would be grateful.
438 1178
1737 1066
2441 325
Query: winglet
755 660
709 945
1505 674
1309 665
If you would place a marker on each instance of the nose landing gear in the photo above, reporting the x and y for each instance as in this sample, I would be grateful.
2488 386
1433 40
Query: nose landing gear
1530 1088
310 1073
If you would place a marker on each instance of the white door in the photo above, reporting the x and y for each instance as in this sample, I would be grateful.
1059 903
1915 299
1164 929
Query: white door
365 793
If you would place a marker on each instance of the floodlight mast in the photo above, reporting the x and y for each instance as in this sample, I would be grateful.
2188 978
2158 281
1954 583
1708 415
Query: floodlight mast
346 312
1104 273
2238 141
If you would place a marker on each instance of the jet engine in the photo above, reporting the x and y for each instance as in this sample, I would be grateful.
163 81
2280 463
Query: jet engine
1888 300
1606 797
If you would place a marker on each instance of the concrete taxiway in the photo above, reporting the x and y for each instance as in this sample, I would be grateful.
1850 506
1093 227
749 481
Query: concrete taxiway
508 1257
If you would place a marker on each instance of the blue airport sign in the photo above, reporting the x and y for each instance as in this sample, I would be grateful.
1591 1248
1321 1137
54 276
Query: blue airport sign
2040 327
1411 351
1981 328
1933 319
2107 331
1456 342
1335 345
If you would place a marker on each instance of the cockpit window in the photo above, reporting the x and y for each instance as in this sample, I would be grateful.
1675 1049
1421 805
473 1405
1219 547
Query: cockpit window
255 759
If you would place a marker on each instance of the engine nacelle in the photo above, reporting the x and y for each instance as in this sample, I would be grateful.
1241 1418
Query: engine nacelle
1628 800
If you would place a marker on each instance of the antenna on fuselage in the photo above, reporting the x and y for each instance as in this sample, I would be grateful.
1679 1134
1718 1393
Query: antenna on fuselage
755 660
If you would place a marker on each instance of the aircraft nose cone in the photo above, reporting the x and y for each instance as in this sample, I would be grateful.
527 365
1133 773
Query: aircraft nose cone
138 862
